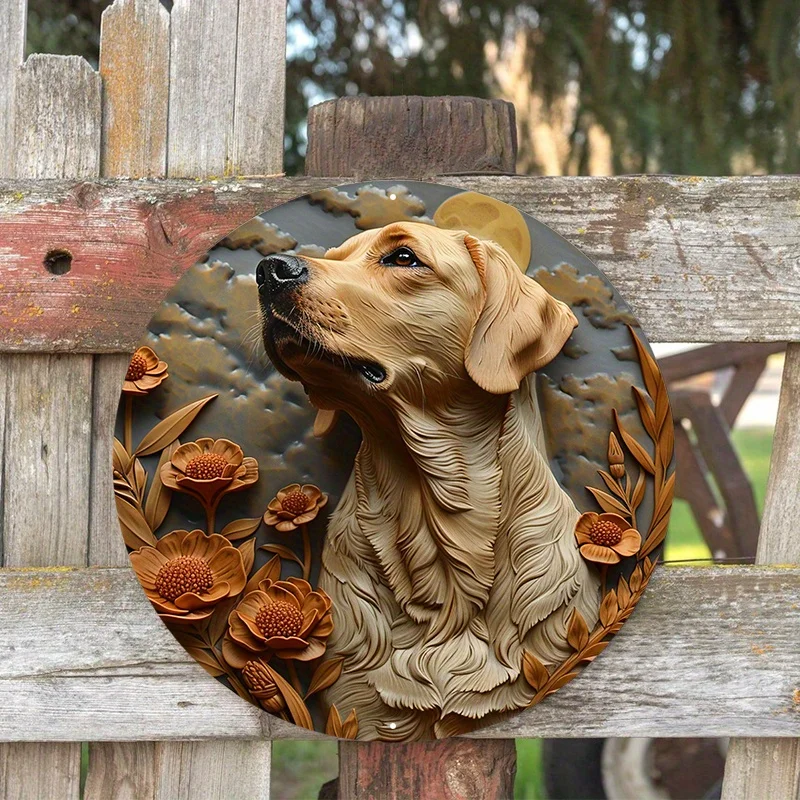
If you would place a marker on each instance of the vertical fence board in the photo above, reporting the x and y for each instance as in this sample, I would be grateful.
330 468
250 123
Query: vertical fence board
121 770
106 548
134 66
259 99
34 771
201 90
229 770
12 51
57 118
46 459
46 450
767 767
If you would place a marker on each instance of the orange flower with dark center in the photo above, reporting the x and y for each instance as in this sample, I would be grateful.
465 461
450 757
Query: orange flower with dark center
187 573
209 469
294 505
145 372
606 538
287 618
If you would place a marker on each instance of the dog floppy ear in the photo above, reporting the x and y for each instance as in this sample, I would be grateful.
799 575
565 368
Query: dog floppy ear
520 328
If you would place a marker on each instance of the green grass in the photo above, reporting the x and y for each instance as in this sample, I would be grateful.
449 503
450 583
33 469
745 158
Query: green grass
300 768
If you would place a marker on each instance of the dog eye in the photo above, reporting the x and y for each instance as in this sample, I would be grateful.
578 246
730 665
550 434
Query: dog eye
402 257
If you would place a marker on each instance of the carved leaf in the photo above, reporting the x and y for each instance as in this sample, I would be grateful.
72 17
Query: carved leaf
637 451
638 491
593 650
248 551
609 608
137 477
535 672
608 503
325 675
218 623
170 428
623 593
283 552
650 371
646 413
350 726
578 632
270 571
135 530
333 727
206 660
635 580
159 496
120 457
297 708
563 680
240 528
612 484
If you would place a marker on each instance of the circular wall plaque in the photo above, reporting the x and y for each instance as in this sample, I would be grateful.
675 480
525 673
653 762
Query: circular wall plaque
394 461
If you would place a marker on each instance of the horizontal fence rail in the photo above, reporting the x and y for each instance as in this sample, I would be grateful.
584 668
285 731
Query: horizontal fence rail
698 259
708 652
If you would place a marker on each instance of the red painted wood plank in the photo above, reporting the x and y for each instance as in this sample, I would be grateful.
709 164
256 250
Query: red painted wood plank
129 244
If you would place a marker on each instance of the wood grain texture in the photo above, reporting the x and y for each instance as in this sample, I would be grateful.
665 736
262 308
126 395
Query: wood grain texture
761 766
40 771
458 769
57 118
226 770
427 136
46 459
121 770
84 657
13 15
258 114
106 548
131 241
134 66
202 86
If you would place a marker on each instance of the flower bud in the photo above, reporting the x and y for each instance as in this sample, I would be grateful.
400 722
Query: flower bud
616 458
263 687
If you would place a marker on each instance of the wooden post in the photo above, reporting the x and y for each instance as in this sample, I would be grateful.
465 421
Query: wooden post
771 767
416 137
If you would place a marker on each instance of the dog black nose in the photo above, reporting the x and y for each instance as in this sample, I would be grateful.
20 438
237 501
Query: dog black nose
277 273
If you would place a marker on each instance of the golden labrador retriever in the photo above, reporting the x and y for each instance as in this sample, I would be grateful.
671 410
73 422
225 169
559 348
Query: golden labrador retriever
452 551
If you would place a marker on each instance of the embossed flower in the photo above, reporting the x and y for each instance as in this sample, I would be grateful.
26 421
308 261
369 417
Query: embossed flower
261 685
606 538
287 618
187 573
145 372
209 469
294 505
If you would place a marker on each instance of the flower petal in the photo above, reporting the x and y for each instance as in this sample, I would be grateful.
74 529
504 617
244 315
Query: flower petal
146 562
310 618
599 554
192 601
171 545
285 525
270 518
585 522
306 516
184 454
312 492
241 634
147 382
582 537
616 519
187 619
129 387
274 505
279 643
149 356
315 649
292 487
227 565
230 450
250 471
629 544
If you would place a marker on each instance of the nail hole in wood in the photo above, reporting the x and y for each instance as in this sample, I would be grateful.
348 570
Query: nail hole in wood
58 262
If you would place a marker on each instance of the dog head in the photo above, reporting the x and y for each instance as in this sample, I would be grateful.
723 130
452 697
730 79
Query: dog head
409 310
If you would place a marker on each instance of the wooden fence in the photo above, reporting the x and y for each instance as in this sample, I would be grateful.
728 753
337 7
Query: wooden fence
191 102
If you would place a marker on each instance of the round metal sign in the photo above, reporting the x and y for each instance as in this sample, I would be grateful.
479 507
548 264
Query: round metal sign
394 461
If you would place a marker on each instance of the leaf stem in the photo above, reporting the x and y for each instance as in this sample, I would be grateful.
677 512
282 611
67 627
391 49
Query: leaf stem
306 552
127 434
211 512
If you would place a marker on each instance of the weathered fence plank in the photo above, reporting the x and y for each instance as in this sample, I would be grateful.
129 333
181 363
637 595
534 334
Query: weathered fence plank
651 236
257 147
134 66
34 771
202 81
57 118
46 459
760 766
392 137
83 656
121 770
12 51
